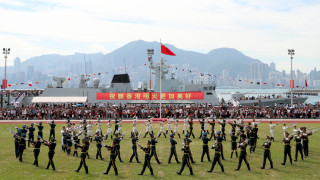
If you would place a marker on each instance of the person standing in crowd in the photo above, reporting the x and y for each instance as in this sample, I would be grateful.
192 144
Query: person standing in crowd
267 153
217 156
112 162
186 159
84 148
146 159
52 130
287 148
173 143
243 154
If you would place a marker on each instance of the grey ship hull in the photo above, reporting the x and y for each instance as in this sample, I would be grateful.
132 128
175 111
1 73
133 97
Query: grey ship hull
271 102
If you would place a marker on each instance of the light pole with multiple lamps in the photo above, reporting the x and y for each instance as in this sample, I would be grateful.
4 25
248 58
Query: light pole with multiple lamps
6 51
150 52
291 53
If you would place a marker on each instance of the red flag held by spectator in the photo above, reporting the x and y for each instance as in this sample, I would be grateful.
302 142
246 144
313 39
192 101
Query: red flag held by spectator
306 83
166 51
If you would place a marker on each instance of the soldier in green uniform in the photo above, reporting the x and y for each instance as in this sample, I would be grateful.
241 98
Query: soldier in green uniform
52 130
213 134
31 134
186 159
298 146
223 129
117 141
22 145
267 153
134 140
191 127
112 163
146 159
76 141
52 146
220 139
287 148
153 148
98 139
84 148
217 156
205 147
201 127
305 141
36 150
243 154
40 128
16 142
173 143
187 139
234 144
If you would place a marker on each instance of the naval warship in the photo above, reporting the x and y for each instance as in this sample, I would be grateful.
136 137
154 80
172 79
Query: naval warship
120 91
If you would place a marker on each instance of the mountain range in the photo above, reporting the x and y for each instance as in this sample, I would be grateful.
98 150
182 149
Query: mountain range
135 54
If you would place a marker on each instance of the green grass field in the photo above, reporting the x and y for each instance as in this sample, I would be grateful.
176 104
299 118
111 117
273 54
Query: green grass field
11 168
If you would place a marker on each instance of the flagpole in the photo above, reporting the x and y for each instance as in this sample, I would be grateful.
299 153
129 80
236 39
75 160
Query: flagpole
160 77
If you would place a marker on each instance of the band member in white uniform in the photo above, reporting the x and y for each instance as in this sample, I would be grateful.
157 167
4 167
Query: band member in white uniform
109 131
169 125
206 125
272 130
134 126
295 130
147 124
150 126
285 129
120 127
162 129
99 124
81 131
89 130
254 122
176 129
185 125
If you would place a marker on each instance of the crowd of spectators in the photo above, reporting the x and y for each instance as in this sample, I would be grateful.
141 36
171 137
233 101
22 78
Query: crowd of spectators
107 111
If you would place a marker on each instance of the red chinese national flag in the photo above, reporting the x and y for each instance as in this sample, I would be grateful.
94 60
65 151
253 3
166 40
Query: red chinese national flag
306 83
30 84
165 50
9 85
69 79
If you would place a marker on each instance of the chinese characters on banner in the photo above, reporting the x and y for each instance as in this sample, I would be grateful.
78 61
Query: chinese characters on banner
151 96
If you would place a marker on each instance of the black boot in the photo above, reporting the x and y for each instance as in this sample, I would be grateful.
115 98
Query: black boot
231 154
191 172
86 168
236 153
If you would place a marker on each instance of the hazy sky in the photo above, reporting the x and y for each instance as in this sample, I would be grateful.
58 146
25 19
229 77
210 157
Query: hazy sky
262 29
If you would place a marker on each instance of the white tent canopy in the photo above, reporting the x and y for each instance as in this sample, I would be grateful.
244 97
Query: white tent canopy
69 99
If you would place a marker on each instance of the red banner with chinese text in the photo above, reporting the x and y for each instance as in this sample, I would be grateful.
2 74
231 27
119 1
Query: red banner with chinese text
151 96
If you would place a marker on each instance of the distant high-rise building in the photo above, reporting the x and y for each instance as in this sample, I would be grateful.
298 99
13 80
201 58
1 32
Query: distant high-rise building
17 65
30 72
273 66
258 71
